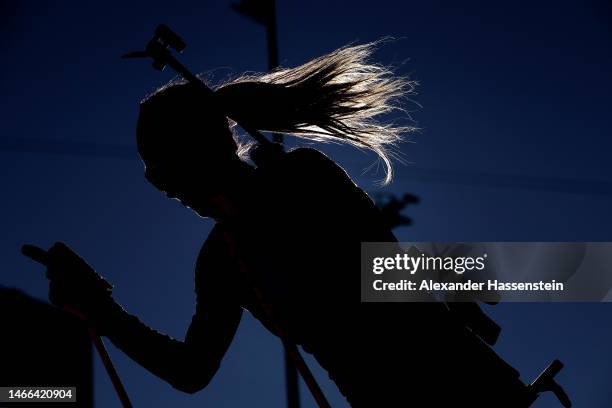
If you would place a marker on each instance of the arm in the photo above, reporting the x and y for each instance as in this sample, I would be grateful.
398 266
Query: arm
187 365
191 364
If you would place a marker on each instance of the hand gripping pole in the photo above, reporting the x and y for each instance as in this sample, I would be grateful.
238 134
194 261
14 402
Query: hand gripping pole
41 256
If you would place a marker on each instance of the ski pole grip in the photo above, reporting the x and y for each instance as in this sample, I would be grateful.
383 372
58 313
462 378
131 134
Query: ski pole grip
35 253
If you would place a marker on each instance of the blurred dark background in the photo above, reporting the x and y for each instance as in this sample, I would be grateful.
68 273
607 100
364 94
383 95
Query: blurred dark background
515 146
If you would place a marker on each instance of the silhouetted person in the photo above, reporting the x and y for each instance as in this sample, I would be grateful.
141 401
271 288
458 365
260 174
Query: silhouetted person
286 243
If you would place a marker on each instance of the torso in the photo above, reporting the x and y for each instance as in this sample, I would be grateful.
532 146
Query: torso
302 254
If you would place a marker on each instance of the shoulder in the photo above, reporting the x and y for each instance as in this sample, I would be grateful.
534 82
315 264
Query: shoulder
318 166
273 155
311 155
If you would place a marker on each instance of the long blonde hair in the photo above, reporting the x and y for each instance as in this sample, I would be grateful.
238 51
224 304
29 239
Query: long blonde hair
337 97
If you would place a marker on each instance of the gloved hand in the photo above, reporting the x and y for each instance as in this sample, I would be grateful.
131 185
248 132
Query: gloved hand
73 283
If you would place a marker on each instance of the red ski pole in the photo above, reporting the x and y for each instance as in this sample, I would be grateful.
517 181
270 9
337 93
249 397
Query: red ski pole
41 256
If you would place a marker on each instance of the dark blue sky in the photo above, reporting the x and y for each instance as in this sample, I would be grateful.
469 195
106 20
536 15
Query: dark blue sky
515 145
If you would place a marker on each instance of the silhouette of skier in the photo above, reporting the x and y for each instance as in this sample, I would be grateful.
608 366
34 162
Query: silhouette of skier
286 243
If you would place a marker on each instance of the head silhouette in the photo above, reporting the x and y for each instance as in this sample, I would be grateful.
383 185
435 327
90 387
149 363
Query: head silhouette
187 146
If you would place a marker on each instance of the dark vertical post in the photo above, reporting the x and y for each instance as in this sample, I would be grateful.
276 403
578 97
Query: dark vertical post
264 13
273 61
272 37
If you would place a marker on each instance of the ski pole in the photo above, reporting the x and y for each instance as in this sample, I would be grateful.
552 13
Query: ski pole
41 256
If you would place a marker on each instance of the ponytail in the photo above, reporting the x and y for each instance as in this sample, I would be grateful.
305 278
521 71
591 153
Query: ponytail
333 98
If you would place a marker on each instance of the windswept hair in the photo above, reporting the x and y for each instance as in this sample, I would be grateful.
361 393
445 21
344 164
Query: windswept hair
337 97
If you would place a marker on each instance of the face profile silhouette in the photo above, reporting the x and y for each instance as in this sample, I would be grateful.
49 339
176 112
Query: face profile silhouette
187 146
